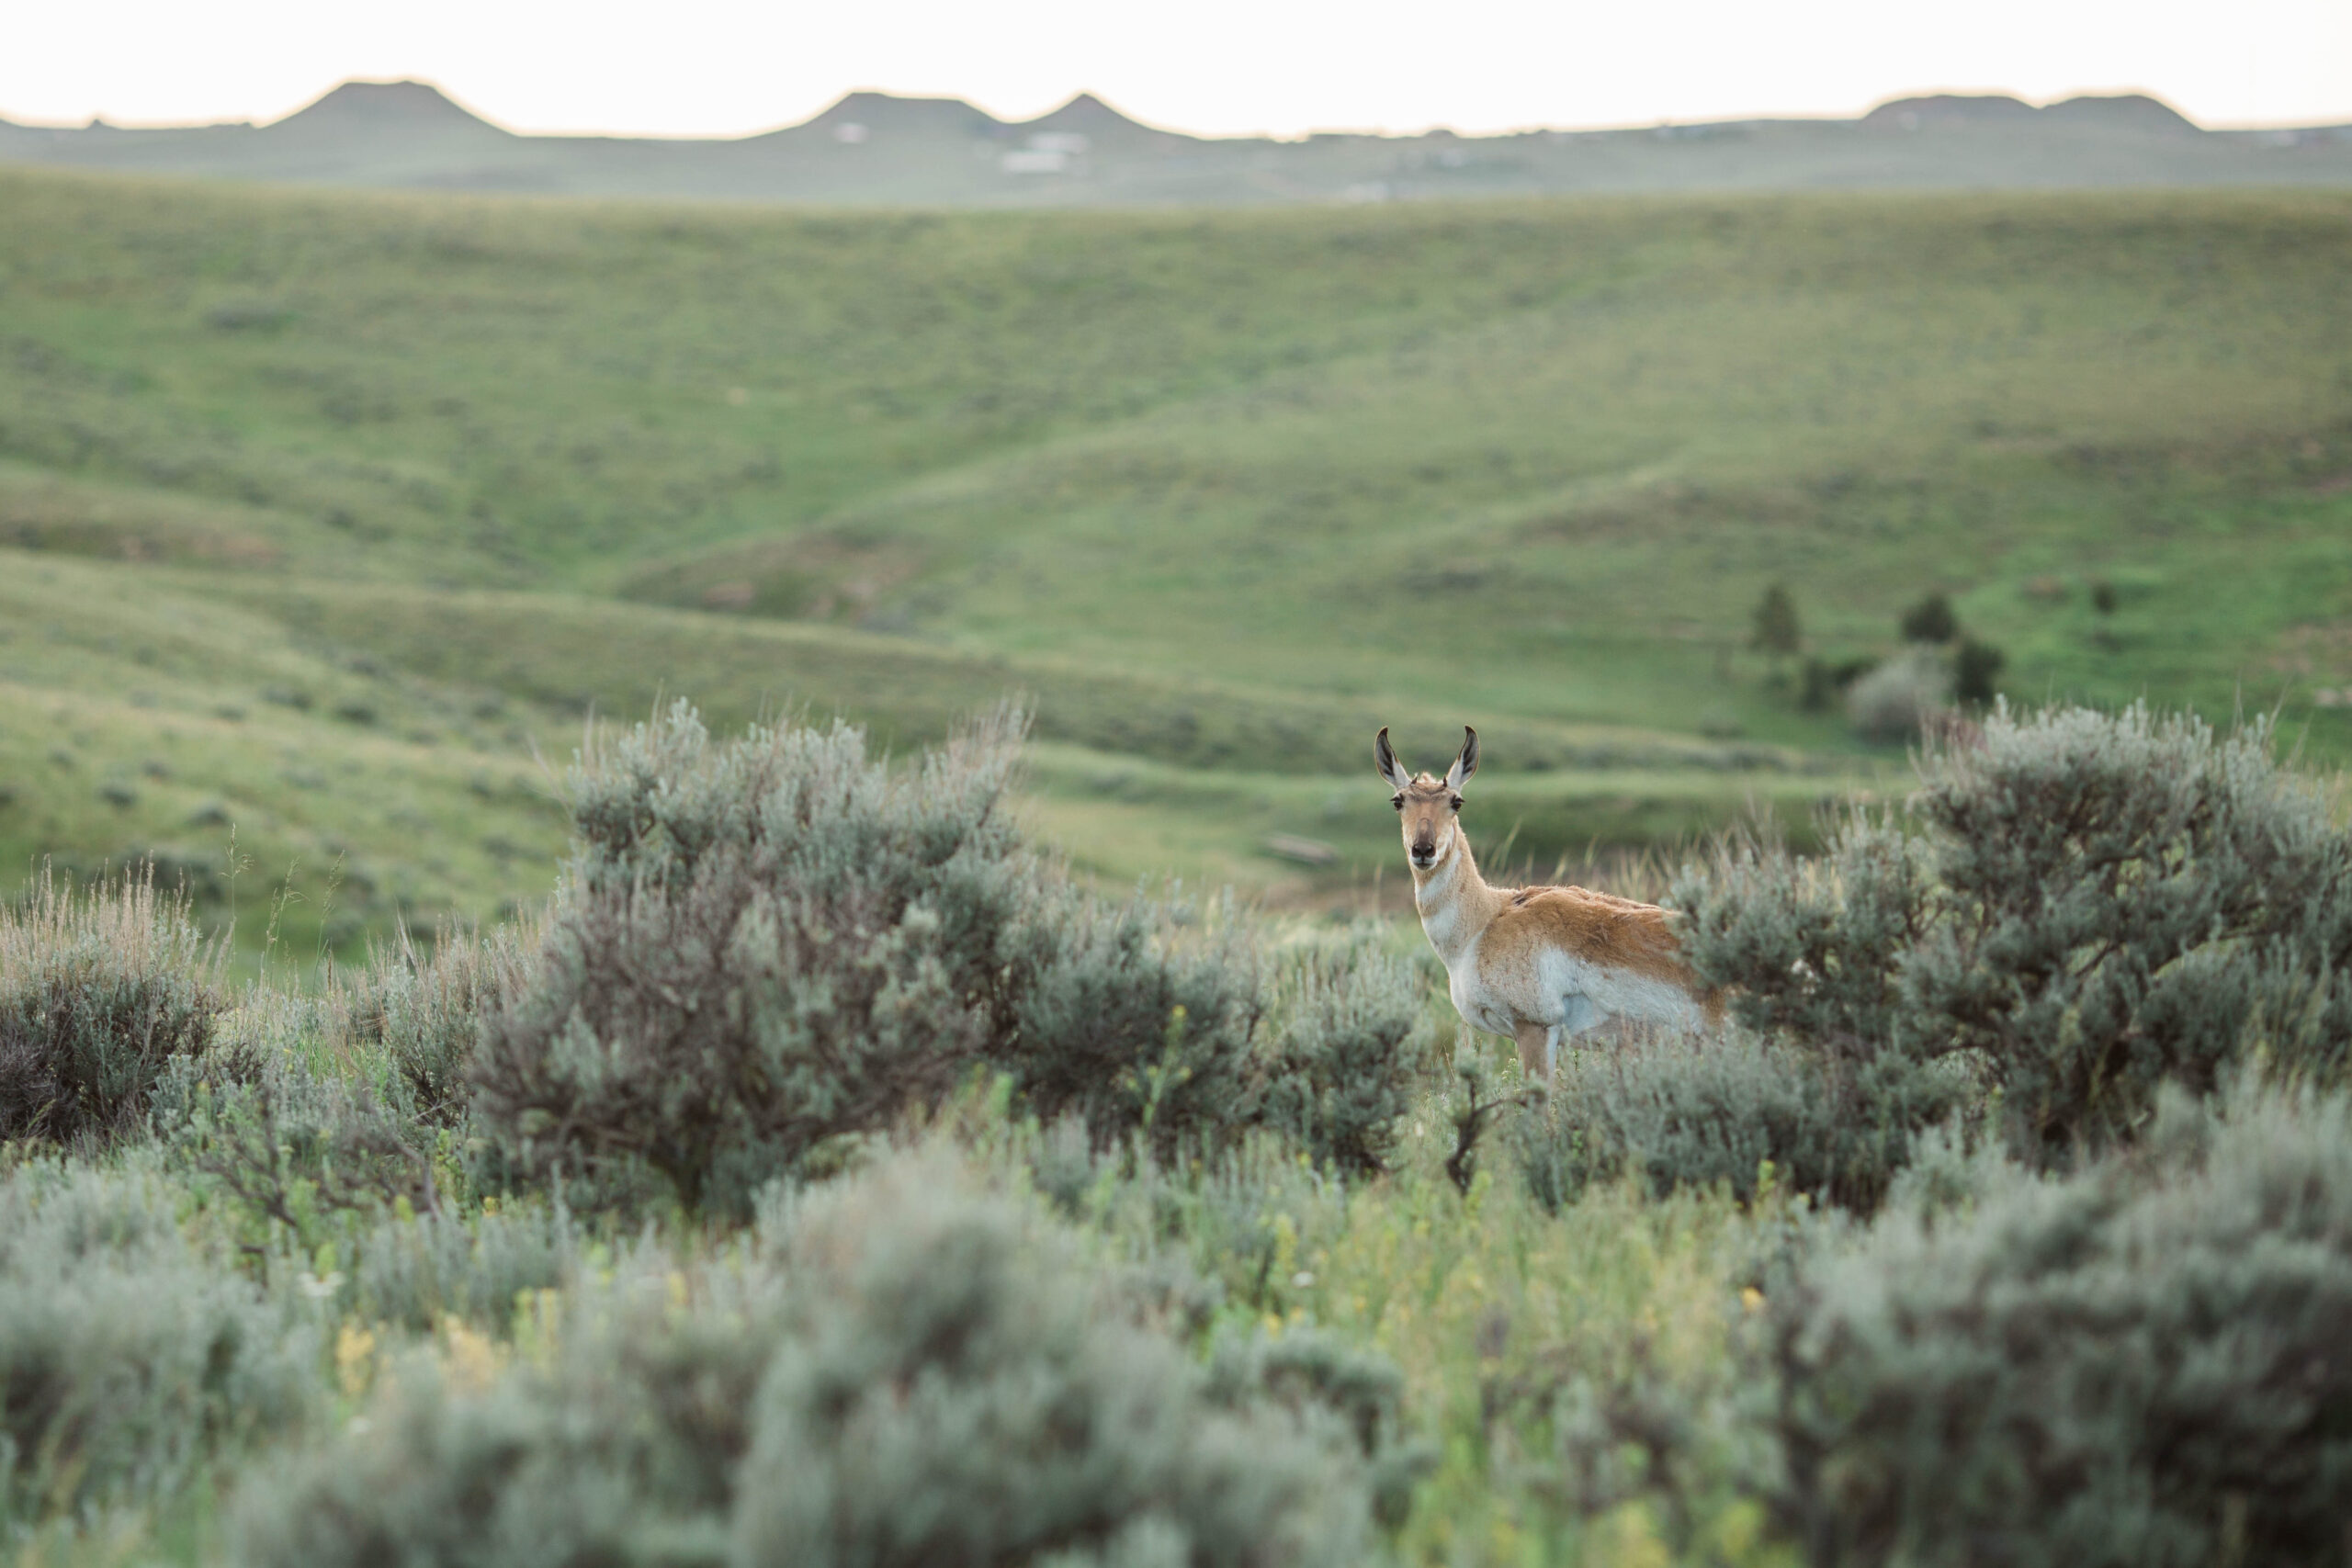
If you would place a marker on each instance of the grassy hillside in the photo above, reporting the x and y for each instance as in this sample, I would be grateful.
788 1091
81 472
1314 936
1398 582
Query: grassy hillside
298 793
1222 491
397 754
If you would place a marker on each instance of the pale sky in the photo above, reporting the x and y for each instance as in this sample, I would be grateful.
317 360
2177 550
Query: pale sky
724 67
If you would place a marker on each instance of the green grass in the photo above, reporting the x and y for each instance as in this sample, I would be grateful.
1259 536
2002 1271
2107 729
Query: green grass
1120 818
408 746
1490 1308
299 795
1222 491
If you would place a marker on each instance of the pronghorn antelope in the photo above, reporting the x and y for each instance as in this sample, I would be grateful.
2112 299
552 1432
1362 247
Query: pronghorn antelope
1537 964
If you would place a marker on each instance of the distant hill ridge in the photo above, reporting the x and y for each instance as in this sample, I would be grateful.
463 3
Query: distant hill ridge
2122 109
412 105
376 102
874 147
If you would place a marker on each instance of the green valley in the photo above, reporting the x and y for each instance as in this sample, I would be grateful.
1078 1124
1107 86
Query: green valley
323 513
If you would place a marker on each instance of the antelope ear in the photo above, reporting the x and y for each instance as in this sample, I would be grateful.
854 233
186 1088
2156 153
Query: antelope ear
1384 757
1464 764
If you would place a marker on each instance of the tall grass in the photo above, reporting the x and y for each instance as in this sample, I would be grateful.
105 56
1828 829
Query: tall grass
100 985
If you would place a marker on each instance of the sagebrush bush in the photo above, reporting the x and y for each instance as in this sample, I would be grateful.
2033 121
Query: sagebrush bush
1138 1021
421 1272
959 1393
759 945
1349 1051
2089 906
1230 1206
1810 1078
129 1359
1137 1026
98 989
621 1448
423 1012
1898 700
278 1120
1319 1378
1732 1108
902 1373
2141 1364
1686 1447
767 943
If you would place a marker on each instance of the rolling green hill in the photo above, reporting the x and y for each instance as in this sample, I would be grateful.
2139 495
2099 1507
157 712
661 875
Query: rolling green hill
413 482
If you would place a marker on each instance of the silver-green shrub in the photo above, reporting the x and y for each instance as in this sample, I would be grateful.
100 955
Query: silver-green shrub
1902 697
898 1371
958 1390
2081 907
2140 1364
1350 1048
286 1128
618 1444
420 1272
766 943
421 1012
759 945
1734 1109
1685 1443
1137 1021
99 989
1318 1377
129 1358
1136 1025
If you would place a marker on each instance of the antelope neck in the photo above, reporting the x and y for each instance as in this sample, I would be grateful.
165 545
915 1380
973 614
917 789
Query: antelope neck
1455 904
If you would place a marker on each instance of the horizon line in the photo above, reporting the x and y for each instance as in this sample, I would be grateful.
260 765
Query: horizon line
1787 117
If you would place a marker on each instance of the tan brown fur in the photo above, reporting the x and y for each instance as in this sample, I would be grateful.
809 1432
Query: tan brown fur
1601 927
1538 963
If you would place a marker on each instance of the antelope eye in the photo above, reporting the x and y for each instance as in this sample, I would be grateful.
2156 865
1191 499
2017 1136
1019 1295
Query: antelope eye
1458 803
1397 801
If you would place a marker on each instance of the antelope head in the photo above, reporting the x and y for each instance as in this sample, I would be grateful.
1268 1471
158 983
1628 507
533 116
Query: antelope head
1426 805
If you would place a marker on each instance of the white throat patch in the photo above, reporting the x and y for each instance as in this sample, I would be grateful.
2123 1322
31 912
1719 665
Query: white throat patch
1442 877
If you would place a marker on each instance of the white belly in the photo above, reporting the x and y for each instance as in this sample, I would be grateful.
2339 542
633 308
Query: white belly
1589 994
1482 1006
1565 995
1474 1000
